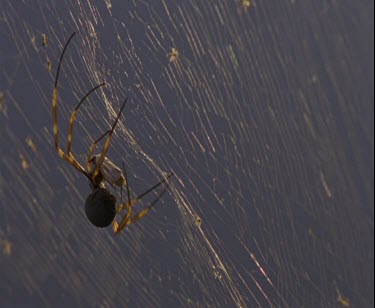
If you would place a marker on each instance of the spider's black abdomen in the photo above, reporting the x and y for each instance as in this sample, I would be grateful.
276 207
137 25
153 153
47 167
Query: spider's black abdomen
100 207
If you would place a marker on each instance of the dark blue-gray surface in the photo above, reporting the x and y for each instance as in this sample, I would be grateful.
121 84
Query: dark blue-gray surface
265 117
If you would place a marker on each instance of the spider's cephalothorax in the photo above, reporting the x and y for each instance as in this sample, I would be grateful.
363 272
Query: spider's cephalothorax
108 172
100 205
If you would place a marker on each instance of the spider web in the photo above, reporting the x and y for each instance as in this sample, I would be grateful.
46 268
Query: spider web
264 114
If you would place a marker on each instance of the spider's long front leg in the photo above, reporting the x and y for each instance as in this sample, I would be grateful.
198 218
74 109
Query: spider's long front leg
69 158
72 117
106 145
54 103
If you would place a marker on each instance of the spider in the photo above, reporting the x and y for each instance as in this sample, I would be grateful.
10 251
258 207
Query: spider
100 205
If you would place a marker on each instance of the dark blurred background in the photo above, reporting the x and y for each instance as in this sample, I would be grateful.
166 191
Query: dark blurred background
264 114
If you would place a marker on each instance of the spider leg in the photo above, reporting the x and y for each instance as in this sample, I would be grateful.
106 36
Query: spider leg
106 145
135 200
126 184
69 158
92 149
122 207
127 220
72 118
54 97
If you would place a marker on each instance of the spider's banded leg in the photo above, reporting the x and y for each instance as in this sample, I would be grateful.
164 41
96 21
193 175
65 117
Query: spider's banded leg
117 228
72 117
106 145
115 225
71 160
92 149
122 207
54 97
130 204
121 193
133 201
126 182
